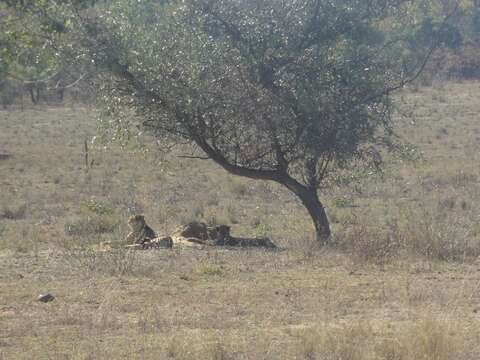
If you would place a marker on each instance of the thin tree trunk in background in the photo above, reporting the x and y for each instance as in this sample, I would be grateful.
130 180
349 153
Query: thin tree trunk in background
32 95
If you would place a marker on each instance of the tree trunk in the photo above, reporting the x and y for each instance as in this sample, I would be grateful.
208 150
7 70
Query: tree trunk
31 90
61 94
310 200
38 94
308 195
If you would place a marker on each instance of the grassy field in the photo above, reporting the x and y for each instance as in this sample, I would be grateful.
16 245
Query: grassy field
403 281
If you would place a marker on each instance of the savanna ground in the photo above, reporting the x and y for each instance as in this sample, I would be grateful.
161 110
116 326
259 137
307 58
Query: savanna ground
402 282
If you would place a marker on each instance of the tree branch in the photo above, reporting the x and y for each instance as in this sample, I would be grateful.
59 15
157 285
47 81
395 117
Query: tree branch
193 157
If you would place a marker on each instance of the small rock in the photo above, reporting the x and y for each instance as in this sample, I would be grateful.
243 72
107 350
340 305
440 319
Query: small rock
46 298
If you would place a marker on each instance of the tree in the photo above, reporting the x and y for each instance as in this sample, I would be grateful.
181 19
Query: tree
280 90
29 35
26 60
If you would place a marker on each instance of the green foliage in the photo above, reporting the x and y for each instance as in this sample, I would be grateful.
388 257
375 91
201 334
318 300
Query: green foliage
433 32
98 207
25 53
343 202
475 229
234 82
407 152
269 90
476 22
34 53
211 269
261 231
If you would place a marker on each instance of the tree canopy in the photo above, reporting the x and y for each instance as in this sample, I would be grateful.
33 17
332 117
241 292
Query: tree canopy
281 90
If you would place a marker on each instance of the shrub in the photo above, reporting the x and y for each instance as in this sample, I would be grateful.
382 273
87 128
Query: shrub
343 202
431 32
237 188
431 233
261 231
91 225
370 243
231 211
435 236
210 269
13 212
349 343
114 263
98 207
447 204
427 339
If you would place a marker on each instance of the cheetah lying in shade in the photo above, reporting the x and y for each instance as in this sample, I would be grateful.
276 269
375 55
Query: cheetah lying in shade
191 235
197 234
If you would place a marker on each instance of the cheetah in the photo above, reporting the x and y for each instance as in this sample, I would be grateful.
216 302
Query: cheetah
219 235
140 231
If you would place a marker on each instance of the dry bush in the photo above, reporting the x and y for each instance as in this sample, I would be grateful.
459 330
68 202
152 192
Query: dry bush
218 351
429 338
195 212
176 350
212 348
435 234
210 269
348 343
369 243
13 211
466 63
117 262
25 238
91 225
238 188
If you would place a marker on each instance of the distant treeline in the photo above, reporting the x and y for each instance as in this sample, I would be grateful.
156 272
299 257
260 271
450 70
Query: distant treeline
51 91
32 72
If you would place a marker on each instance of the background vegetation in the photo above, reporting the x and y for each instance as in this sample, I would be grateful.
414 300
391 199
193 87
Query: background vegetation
402 284
30 67
402 281
287 92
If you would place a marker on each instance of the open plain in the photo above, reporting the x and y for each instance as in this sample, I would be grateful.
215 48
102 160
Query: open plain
402 281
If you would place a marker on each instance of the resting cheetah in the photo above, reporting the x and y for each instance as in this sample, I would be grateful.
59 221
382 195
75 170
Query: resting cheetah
140 231
200 233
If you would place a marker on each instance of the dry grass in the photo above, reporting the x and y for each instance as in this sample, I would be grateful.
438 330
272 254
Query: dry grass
402 283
